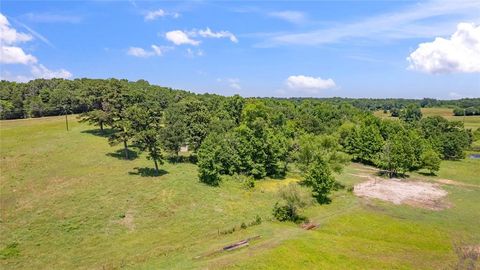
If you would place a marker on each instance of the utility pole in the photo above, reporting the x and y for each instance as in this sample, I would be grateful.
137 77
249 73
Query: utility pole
66 116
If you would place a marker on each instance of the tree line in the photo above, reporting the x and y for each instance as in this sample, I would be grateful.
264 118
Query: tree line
252 137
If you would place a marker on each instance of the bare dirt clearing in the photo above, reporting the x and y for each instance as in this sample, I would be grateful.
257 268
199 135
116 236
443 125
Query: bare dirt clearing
417 194
128 220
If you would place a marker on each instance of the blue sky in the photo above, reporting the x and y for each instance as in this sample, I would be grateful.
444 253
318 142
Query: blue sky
317 48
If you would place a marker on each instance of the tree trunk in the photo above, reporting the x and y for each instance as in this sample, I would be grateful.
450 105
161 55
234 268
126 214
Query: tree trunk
156 166
101 127
126 149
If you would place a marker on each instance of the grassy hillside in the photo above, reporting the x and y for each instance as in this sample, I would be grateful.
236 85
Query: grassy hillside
69 202
472 122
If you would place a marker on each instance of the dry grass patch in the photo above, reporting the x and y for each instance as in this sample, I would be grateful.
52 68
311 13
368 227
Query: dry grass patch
417 194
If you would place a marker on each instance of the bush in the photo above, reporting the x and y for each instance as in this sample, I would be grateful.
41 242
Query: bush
248 183
431 160
285 212
294 198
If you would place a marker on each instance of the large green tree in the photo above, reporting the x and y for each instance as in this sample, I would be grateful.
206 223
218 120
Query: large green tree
319 177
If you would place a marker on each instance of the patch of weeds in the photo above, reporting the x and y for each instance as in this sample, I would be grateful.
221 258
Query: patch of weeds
243 226
230 231
10 251
248 183
256 221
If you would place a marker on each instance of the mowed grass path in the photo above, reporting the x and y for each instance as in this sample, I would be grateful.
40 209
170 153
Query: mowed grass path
471 122
68 202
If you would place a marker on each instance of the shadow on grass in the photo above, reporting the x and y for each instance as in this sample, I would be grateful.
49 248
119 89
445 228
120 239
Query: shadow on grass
387 175
98 132
427 173
120 154
148 172
182 159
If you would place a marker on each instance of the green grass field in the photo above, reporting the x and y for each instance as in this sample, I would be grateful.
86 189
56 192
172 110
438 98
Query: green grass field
69 202
472 122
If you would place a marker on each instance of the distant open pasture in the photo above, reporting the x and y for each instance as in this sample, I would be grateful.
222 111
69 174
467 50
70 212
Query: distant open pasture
472 122
68 201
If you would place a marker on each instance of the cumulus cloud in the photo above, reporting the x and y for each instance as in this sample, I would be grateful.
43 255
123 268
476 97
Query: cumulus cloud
40 71
309 84
207 33
140 52
11 53
36 71
179 37
9 35
289 16
459 53
154 14
15 55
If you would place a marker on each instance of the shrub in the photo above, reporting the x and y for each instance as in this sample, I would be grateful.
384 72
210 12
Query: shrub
248 183
285 212
293 199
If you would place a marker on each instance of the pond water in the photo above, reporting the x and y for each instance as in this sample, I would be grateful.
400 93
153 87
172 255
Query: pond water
475 156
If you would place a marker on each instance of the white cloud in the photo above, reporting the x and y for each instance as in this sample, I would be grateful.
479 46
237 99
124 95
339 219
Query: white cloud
460 53
11 54
154 14
309 84
419 20
7 76
289 16
36 72
159 50
40 71
140 52
52 18
192 53
234 83
36 34
207 33
15 55
179 37
9 35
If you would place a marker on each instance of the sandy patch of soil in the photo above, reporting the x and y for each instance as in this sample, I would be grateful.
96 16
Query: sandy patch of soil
128 220
417 194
